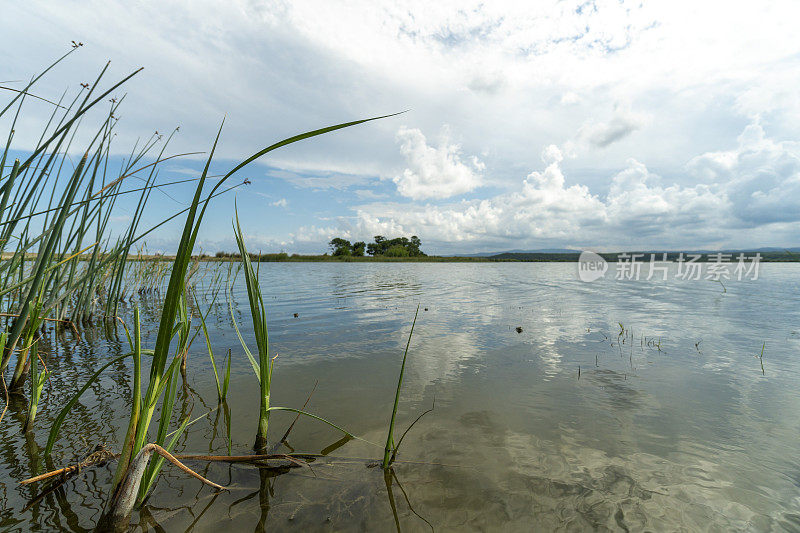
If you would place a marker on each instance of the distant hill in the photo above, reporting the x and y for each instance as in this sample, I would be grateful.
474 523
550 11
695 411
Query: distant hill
771 249
795 249
770 254
541 251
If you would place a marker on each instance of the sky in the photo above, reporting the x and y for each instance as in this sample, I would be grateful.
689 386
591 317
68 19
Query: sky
602 125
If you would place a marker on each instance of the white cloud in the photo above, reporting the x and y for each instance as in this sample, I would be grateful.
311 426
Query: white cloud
570 98
315 234
282 202
761 177
642 211
434 172
315 179
543 208
367 194
746 196
601 134
487 81
756 185
509 77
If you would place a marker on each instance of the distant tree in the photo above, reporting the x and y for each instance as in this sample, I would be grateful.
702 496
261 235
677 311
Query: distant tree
358 248
415 244
340 247
382 245
396 250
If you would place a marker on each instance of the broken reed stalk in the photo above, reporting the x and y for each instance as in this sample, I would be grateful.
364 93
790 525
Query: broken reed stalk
126 496
245 458
100 456
15 315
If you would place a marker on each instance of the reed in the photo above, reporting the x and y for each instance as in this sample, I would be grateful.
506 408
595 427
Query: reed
258 313
60 215
265 364
222 389
162 377
174 320
390 450
50 217
37 378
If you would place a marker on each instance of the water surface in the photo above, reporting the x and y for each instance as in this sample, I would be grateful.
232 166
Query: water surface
621 405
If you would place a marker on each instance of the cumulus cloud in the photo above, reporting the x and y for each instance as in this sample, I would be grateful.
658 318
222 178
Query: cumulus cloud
761 177
545 211
755 184
737 197
434 172
641 210
281 202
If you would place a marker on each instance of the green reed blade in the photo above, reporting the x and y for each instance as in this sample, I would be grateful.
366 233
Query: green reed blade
315 417
389 438
259 316
136 403
220 395
56 427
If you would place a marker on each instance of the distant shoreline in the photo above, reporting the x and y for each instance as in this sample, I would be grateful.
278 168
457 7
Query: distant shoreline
766 257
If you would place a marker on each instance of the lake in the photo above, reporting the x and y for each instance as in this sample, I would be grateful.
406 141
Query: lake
557 405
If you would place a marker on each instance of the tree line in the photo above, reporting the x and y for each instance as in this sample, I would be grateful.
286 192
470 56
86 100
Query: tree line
397 247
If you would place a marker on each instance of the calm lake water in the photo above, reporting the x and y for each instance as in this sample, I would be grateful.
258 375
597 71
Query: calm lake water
621 405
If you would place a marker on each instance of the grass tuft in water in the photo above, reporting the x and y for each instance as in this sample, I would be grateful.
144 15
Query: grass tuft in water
258 313
60 217
263 367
